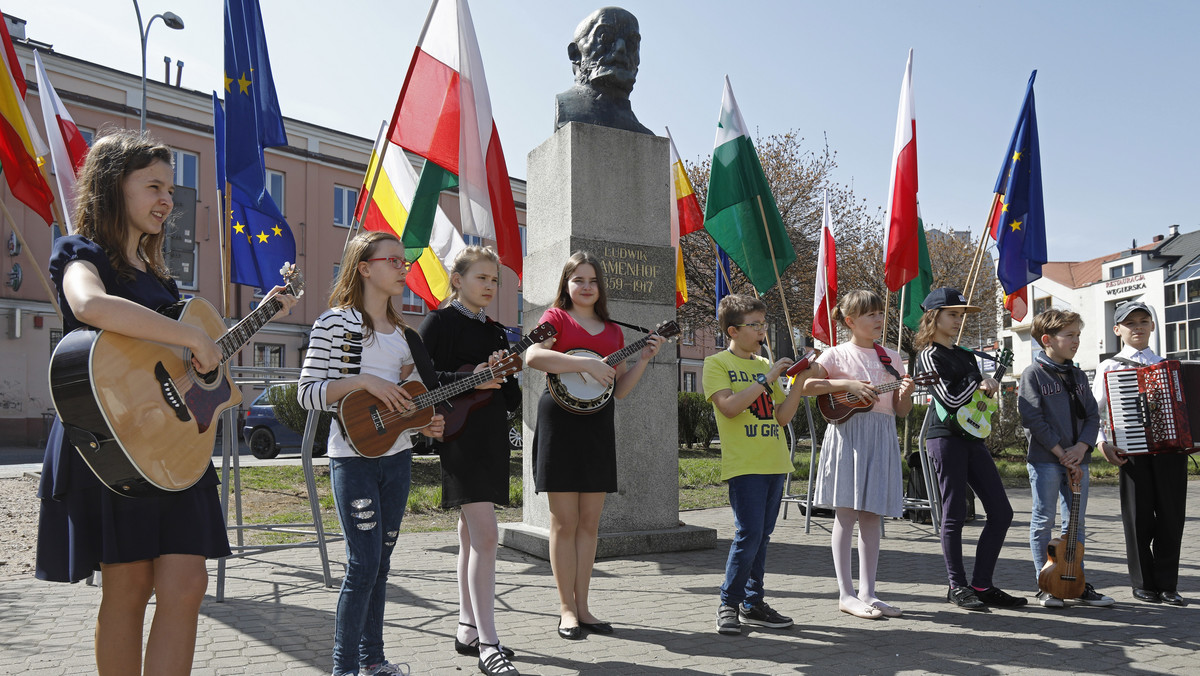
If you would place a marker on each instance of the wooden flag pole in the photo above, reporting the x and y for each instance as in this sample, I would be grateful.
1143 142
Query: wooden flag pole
226 244
887 302
977 262
778 280
720 268
900 314
33 261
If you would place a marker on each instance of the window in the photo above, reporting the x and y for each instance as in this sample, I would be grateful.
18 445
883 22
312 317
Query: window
689 381
1118 271
1040 305
689 337
520 308
1170 292
412 303
187 168
524 247
720 341
1193 291
275 189
473 240
55 336
268 355
88 135
344 200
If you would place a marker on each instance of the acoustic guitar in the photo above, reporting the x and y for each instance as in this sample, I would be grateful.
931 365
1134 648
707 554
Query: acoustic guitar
456 415
1062 575
583 394
136 410
838 407
372 429
975 416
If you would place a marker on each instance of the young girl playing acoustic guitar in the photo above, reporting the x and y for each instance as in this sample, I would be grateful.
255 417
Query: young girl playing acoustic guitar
961 460
362 342
859 474
475 463
110 275
575 456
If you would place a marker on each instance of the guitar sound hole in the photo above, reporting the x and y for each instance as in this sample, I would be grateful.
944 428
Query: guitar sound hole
210 377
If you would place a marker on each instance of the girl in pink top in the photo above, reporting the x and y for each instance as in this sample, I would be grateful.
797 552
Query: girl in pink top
859 476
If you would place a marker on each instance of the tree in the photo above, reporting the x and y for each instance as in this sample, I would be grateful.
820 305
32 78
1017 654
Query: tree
798 177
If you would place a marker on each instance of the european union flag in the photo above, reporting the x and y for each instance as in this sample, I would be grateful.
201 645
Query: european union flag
254 121
1022 227
260 241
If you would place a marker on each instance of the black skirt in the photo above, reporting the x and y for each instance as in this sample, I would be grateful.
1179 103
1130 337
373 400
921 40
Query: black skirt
475 465
83 523
574 453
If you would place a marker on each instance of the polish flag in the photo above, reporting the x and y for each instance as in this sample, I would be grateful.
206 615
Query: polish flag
68 149
445 115
825 295
901 253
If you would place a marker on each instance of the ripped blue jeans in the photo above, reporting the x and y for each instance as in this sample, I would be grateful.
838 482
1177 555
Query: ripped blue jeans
370 495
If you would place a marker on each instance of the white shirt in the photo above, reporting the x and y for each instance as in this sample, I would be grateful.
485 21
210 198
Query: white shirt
1099 391
383 355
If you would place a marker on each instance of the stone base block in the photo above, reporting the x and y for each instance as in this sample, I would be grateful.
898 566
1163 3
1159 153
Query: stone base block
536 541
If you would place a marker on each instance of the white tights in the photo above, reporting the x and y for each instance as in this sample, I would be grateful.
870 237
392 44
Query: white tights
870 530
477 538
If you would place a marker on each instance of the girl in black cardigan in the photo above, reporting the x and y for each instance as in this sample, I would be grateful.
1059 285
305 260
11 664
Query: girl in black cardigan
475 460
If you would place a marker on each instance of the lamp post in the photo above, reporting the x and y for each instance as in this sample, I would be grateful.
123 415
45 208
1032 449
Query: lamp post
172 20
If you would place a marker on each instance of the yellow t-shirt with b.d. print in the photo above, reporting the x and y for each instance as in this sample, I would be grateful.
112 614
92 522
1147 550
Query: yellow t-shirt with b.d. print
752 442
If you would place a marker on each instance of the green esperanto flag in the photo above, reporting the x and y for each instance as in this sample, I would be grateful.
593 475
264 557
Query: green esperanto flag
739 197
916 290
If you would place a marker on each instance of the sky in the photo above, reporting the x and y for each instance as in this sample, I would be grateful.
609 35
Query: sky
1117 90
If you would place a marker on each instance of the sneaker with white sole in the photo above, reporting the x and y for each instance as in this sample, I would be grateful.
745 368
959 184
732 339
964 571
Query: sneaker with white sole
1092 597
1049 601
727 620
762 615
386 669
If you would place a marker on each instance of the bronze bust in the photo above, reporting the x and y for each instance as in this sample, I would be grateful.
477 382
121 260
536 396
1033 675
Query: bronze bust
604 56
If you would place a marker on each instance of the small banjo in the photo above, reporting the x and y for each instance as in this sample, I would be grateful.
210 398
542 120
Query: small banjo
581 393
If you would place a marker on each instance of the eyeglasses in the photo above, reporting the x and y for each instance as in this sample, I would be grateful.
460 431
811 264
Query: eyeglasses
398 263
757 326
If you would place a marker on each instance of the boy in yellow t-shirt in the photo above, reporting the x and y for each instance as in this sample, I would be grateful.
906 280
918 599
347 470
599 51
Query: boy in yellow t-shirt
751 410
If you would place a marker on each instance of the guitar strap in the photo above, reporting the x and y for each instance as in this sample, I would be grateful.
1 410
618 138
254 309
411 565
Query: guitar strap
635 327
886 361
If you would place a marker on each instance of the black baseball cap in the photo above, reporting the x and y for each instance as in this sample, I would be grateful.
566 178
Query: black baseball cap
1127 308
947 298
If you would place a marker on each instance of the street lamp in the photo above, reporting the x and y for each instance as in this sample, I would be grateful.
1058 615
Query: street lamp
172 20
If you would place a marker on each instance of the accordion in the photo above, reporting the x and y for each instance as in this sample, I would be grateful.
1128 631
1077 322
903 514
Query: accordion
1155 408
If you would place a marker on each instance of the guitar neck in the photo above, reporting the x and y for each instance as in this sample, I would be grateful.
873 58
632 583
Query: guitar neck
888 387
454 389
625 352
1073 528
237 337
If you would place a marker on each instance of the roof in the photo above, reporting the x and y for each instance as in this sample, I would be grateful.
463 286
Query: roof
1180 251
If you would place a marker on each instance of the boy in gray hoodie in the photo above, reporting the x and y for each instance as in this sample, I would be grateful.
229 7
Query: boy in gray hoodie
1061 421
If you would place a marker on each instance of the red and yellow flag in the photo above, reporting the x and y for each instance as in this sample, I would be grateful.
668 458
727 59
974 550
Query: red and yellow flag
686 217
20 146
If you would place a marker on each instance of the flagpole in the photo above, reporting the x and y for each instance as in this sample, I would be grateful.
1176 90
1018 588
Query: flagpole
887 302
225 240
58 214
721 268
900 314
779 281
977 262
379 143
35 265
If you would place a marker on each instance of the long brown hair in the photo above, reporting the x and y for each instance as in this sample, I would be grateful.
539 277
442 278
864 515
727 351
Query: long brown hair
926 329
563 300
100 213
347 290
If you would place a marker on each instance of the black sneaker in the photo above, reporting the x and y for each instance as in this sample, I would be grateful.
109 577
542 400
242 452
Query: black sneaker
964 597
727 620
993 596
762 615
1092 597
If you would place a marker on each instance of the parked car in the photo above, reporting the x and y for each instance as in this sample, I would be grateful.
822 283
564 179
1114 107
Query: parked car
266 435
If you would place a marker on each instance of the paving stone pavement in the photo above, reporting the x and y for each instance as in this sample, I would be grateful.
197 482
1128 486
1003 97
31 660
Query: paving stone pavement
278 617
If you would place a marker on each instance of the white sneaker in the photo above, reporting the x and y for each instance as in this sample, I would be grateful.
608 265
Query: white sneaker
1049 601
386 669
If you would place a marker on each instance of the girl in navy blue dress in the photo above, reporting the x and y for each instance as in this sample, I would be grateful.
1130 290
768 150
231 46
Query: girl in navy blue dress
110 276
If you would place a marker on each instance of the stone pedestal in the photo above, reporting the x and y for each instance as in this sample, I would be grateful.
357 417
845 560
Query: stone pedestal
606 191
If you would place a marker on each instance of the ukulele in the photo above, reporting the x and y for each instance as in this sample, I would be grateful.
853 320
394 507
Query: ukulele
1062 576
140 416
838 407
456 415
579 392
372 429
975 416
